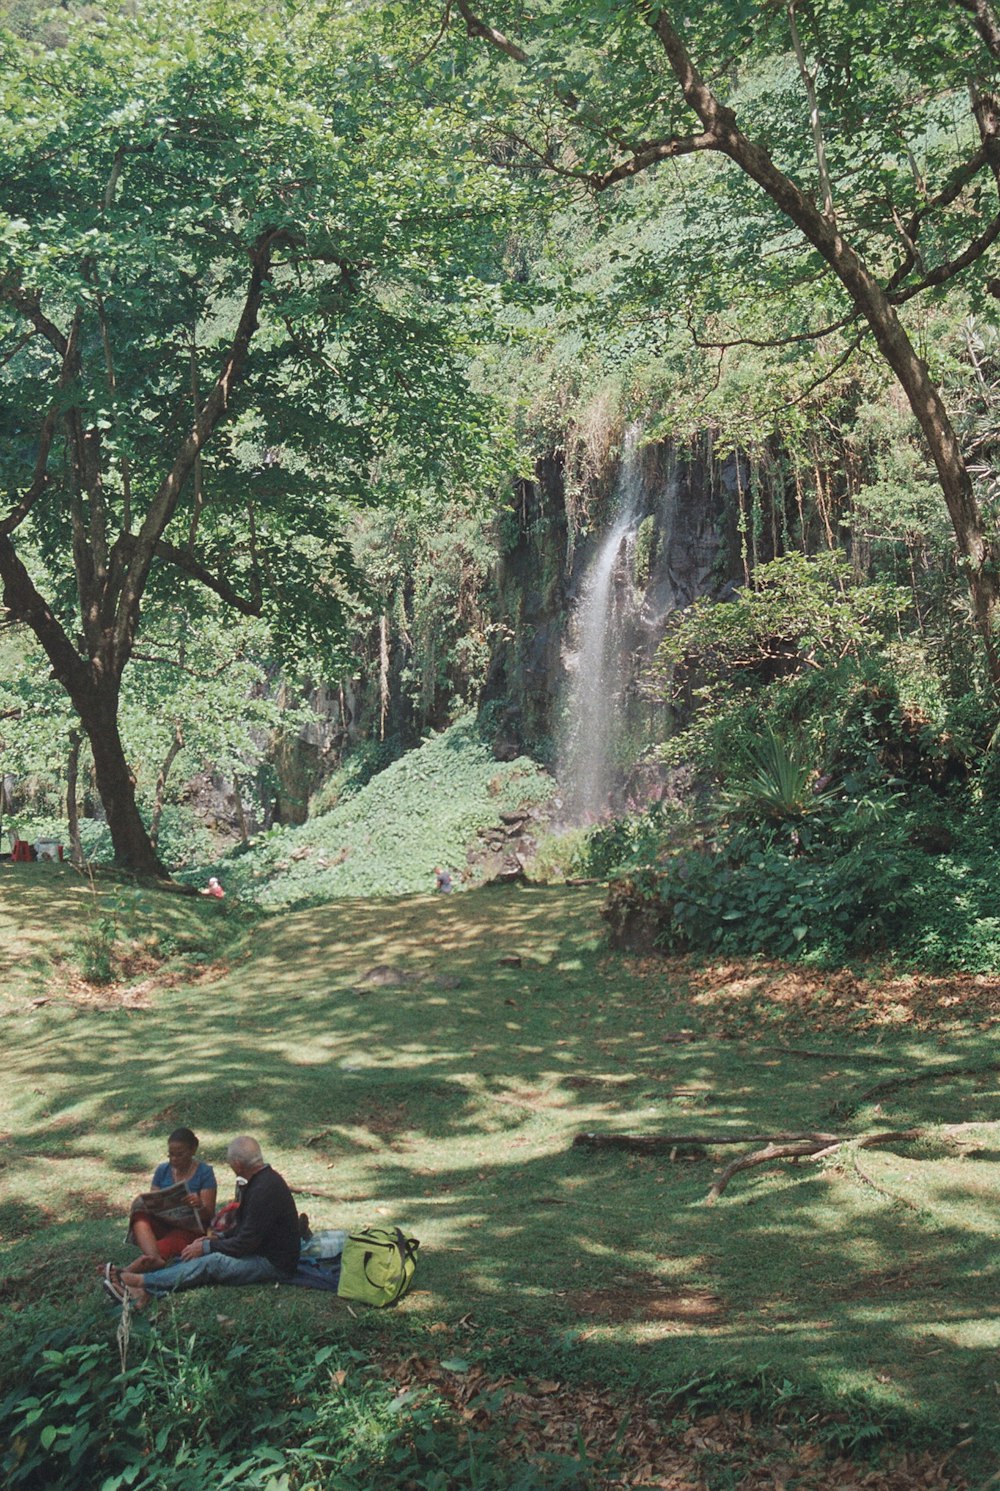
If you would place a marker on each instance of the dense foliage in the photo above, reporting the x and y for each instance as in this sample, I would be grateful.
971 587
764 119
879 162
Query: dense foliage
175 1415
234 258
848 793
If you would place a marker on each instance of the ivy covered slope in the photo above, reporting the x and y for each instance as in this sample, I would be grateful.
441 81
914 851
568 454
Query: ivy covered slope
385 839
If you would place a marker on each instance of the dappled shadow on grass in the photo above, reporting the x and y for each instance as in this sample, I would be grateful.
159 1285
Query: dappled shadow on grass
445 1093
35 899
46 910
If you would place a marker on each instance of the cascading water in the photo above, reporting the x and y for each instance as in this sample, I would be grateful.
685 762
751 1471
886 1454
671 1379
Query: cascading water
596 673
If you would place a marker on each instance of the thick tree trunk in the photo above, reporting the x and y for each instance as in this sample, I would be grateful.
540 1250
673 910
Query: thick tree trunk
98 711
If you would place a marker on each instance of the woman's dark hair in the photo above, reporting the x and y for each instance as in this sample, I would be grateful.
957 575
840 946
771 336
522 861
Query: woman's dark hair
184 1136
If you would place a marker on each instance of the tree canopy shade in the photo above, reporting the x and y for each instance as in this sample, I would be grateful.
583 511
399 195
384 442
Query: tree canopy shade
233 257
866 142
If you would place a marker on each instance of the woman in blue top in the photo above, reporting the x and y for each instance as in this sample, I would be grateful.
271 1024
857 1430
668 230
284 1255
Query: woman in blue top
161 1240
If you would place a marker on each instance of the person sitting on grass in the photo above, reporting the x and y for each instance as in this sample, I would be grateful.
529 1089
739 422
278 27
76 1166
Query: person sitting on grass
161 1240
263 1247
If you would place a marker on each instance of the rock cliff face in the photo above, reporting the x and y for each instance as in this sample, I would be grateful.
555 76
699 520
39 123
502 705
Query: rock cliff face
676 541
681 541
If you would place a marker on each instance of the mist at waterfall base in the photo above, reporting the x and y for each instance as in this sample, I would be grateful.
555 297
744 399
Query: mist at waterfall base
588 767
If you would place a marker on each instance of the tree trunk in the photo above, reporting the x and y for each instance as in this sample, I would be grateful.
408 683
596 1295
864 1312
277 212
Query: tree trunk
93 691
240 811
72 806
133 850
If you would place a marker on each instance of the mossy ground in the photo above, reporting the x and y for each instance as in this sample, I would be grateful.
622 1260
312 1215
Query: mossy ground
429 1061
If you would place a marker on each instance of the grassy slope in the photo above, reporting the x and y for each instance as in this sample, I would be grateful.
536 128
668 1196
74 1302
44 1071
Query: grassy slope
422 810
448 1103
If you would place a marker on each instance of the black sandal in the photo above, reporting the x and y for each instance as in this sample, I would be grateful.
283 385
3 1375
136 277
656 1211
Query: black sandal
114 1290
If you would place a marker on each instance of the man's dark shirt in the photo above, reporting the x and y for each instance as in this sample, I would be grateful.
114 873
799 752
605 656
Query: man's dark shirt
268 1224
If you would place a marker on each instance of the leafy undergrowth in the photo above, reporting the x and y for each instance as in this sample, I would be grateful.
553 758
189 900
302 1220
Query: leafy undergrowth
870 894
580 1317
423 810
162 1411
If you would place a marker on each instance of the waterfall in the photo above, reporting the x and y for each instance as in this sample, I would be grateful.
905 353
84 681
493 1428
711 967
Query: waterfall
596 667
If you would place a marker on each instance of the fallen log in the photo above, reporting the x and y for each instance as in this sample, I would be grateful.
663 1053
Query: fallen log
664 1143
796 1146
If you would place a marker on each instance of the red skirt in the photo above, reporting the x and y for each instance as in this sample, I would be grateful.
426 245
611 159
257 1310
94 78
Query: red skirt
170 1240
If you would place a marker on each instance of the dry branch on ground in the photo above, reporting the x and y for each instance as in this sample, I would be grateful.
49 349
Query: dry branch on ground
800 1146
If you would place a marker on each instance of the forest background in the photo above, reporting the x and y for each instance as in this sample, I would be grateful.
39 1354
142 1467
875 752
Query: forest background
304 443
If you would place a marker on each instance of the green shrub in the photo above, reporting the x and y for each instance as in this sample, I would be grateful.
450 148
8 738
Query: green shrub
633 840
96 948
560 855
873 878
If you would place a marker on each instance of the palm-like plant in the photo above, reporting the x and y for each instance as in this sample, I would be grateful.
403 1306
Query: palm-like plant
782 787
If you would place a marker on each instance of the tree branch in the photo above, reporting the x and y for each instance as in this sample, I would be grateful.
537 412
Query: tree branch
804 1150
664 1143
39 481
21 343
825 376
24 603
815 123
985 22
910 231
109 365
811 1146
788 341
30 306
650 154
445 21
186 561
643 153
170 662
162 507
944 272
482 29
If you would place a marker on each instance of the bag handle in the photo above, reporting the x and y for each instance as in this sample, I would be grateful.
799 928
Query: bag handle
406 1247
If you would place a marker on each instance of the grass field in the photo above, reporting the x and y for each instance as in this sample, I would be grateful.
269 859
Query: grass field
429 1061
